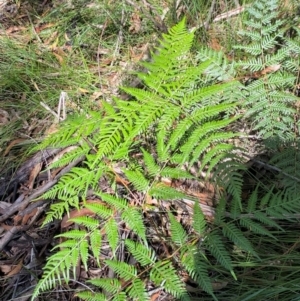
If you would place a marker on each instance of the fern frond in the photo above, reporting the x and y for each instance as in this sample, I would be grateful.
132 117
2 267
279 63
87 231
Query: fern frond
73 234
137 179
89 296
217 248
236 236
264 219
72 131
165 192
96 243
253 199
219 68
178 234
183 112
287 160
87 221
163 274
111 230
255 227
118 203
120 297
58 210
124 270
143 254
137 290
84 253
234 187
75 182
269 103
110 285
114 135
134 219
151 166
58 267
100 209
194 262
175 173
71 155
199 223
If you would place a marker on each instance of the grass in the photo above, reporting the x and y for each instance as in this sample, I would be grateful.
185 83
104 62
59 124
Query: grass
84 50
89 51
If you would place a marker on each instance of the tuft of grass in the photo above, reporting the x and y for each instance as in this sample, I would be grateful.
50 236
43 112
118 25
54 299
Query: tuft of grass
87 49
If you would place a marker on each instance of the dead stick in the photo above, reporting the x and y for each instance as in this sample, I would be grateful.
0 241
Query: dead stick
23 204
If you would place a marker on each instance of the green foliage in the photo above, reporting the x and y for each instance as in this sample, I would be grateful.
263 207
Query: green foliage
180 118
176 110
270 65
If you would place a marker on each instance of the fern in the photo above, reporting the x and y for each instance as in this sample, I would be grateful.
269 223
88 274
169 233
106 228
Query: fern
196 264
141 253
179 119
217 248
123 269
164 274
235 235
175 88
199 223
269 100
179 235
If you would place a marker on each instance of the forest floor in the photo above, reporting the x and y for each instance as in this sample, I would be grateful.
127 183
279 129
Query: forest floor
59 57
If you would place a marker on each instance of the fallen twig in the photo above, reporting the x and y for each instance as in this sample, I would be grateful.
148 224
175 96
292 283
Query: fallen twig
24 203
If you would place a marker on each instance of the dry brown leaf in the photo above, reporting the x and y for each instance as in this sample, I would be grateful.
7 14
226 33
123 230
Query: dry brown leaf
59 58
120 180
114 79
15 269
155 296
52 38
59 54
52 129
12 144
76 213
216 286
83 91
5 268
7 227
267 70
96 95
103 51
14 29
105 62
40 28
270 69
139 53
214 43
33 174
23 219
135 21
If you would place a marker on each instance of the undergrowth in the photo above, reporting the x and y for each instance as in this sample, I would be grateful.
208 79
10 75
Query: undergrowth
186 115
182 117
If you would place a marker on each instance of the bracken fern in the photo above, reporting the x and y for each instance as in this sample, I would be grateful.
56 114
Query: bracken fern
179 119
271 65
175 109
